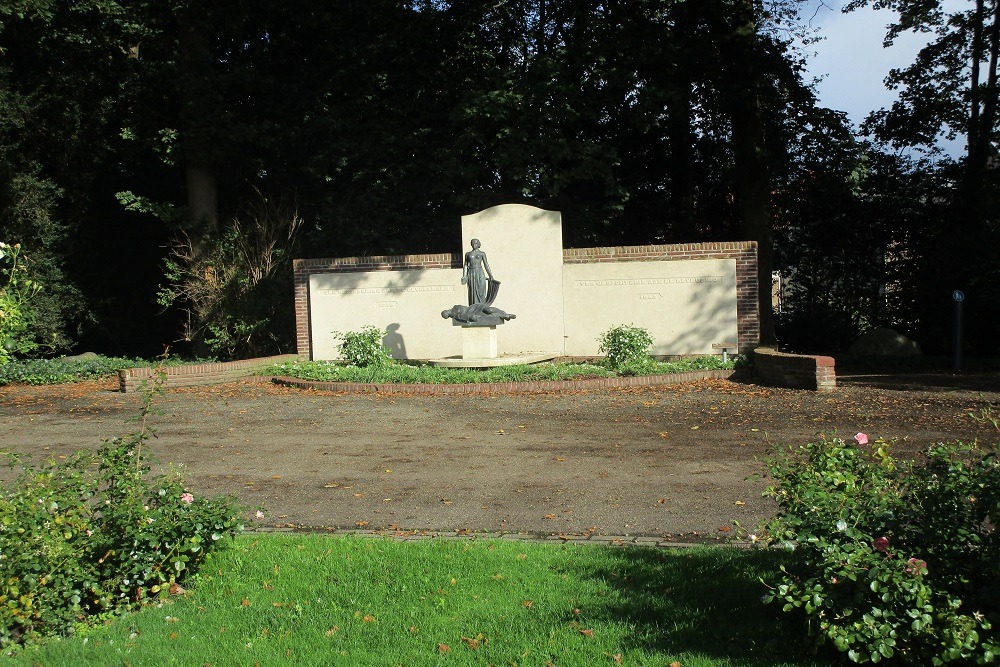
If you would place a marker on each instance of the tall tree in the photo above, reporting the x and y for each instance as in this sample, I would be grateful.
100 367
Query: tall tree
951 90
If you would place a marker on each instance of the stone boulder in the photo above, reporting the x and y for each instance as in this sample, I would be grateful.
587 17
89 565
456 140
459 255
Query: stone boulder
86 356
884 342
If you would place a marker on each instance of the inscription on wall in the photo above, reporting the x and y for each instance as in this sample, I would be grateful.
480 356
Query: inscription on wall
680 280
388 290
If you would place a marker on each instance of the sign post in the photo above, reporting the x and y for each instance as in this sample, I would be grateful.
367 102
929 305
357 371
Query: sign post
958 296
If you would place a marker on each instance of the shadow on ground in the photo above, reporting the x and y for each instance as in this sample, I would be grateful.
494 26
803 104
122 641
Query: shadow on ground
704 603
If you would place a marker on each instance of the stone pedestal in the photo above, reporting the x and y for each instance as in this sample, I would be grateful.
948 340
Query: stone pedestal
479 342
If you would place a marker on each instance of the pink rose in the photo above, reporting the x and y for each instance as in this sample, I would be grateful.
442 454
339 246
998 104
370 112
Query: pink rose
916 566
861 439
187 498
881 544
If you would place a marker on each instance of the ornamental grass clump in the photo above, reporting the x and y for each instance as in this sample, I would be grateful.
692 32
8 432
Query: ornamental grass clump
95 534
892 559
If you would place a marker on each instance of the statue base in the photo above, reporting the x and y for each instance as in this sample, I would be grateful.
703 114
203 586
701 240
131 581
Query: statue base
503 360
479 342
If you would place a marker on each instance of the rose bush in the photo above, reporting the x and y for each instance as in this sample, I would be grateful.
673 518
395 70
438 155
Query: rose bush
891 559
94 534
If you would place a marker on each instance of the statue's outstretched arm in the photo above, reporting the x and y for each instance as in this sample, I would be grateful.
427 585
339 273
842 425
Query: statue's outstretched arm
486 265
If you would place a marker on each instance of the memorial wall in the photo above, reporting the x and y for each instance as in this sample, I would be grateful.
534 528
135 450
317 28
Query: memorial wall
691 297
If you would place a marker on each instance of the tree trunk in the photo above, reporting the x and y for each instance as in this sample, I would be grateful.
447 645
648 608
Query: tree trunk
681 137
199 111
741 63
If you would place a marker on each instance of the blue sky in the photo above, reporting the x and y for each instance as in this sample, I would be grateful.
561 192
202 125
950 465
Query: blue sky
853 60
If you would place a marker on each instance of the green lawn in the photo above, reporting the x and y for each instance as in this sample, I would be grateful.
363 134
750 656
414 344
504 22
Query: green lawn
322 600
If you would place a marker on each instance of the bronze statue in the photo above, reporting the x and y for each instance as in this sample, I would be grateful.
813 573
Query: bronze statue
476 274
483 290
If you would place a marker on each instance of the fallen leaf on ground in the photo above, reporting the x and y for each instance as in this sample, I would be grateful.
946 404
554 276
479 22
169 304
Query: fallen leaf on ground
443 648
586 632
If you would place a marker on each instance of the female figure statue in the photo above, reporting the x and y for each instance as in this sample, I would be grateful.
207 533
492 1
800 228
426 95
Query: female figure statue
476 273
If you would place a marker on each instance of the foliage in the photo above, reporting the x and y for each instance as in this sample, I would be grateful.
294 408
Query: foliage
363 348
235 286
892 559
62 74
16 294
62 370
95 534
951 91
624 345
322 599
328 371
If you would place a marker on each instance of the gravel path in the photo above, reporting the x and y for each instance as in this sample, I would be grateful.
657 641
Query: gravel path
674 463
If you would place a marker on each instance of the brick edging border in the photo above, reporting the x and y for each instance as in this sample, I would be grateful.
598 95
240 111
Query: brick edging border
198 374
650 541
508 387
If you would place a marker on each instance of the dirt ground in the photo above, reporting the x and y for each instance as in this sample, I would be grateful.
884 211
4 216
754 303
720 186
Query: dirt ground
678 462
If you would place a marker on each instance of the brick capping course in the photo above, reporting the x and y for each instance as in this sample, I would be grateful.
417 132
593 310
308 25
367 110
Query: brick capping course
509 387
799 371
199 374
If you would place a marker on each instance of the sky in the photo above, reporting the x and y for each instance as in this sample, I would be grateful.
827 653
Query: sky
855 63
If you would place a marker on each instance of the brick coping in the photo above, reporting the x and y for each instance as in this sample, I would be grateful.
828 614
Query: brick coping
508 387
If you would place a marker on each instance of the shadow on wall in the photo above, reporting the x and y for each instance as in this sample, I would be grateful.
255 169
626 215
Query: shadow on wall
712 315
393 341
405 305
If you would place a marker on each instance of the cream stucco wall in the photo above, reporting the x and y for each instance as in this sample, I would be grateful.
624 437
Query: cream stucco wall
406 304
524 247
686 305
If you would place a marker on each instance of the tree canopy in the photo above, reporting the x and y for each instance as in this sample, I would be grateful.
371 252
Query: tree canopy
145 146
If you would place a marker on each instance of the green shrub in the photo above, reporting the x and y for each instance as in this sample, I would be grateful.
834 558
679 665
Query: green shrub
95 534
16 293
363 348
625 345
234 283
893 559
58 371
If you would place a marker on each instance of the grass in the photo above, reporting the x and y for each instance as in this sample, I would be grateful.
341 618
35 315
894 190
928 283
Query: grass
402 373
320 600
